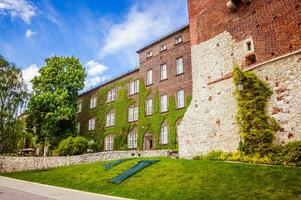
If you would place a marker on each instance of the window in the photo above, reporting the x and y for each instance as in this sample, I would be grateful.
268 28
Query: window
109 143
78 127
163 47
132 140
163 74
134 87
133 114
149 106
164 134
79 107
110 119
149 77
180 99
91 125
163 100
149 54
180 66
178 39
93 101
111 95
249 46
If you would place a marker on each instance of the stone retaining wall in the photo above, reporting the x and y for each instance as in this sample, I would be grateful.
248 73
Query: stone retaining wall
12 164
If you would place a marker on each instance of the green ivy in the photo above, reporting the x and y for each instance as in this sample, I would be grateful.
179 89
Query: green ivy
146 124
257 129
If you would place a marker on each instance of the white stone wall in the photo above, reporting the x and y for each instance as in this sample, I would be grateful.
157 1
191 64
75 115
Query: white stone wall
209 123
12 164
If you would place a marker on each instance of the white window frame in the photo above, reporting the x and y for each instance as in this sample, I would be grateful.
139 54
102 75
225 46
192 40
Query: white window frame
93 102
79 107
91 124
149 77
149 106
134 87
181 98
164 103
133 114
111 95
179 66
109 143
164 134
149 54
110 119
178 39
163 47
132 140
163 72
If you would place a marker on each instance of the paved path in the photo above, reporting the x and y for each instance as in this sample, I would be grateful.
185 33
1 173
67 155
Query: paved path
13 189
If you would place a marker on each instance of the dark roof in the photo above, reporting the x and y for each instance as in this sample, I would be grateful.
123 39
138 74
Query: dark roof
109 81
163 37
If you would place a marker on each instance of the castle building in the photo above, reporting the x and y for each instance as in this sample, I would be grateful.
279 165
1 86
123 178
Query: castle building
182 94
261 35
142 108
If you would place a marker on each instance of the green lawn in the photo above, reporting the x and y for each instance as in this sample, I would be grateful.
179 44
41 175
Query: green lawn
178 179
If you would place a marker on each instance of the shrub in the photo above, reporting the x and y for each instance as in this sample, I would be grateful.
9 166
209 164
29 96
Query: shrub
80 145
212 155
242 157
72 146
94 146
289 154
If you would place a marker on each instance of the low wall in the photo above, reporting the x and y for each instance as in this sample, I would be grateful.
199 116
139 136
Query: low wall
13 164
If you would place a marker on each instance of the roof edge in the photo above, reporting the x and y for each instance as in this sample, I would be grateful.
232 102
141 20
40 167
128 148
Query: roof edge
115 78
163 37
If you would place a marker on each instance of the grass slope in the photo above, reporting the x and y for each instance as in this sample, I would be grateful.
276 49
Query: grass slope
178 179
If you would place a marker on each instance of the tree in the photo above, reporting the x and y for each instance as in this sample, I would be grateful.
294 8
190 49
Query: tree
52 107
13 98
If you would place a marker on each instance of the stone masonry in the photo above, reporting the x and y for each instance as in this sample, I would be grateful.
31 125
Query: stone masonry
12 164
209 123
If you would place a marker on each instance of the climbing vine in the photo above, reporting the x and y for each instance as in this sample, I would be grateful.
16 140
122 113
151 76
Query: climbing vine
146 124
257 129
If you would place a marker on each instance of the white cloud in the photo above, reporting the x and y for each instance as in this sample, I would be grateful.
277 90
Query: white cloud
29 73
29 33
142 24
95 68
18 8
95 73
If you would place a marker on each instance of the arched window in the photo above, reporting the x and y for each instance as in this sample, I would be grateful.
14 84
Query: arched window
164 134
109 143
132 140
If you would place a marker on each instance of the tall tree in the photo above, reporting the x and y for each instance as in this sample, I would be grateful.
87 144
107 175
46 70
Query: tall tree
13 98
52 107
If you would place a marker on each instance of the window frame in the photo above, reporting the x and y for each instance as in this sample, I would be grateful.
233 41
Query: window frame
91 124
147 77
147 107
93 102
148 54
183 100
161 96
164 47
177 39
161 72
133 114
109 142
177 71
132 140
134 87
164 136
110 119
110 96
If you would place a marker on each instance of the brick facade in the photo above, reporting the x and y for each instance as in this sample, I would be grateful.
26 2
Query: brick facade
169 87
274 25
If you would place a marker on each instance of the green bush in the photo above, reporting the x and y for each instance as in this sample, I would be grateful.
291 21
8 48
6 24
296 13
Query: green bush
94 146
212 155
72 146
289 154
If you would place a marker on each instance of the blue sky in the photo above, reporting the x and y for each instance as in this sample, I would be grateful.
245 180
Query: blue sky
103 34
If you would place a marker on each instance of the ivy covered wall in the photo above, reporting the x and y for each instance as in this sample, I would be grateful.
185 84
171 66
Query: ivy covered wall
145 124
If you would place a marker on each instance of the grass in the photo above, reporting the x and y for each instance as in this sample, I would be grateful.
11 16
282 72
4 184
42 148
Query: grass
178 179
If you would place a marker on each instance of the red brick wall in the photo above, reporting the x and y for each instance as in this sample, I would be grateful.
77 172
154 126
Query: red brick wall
274 25
169 56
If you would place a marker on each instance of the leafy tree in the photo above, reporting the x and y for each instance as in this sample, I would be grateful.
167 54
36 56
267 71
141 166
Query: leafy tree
52 107
13 98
